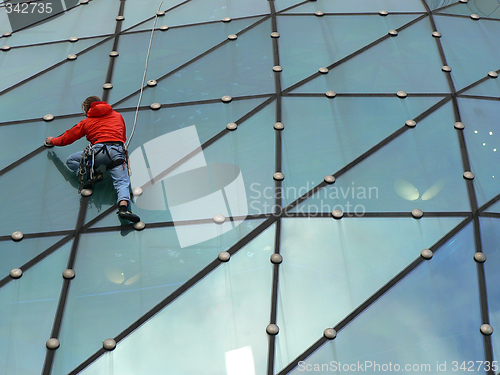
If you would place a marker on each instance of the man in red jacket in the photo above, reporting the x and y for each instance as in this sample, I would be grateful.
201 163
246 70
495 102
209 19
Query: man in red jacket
105 130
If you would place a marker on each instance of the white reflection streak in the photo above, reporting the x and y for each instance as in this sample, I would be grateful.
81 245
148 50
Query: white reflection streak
240 361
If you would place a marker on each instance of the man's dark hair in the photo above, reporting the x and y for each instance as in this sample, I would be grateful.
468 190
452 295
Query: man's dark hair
87 102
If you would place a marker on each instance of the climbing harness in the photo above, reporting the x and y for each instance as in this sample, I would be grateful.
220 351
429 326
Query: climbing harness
87 170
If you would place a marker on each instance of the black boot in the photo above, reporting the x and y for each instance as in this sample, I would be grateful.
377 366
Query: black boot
93 181
124 213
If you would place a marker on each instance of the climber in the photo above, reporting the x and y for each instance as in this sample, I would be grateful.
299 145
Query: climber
105 130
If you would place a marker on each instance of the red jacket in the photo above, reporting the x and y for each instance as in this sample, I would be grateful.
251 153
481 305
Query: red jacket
101 125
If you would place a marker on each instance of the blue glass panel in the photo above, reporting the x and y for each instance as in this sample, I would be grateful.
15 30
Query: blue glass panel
429 318
15 254
494 208
21 63
490 236
60 91
478 37
197 11
137 11
168 51
238 68
332 133
341 270
483 145
121 278
488 8
75 22
303 52
359 6
436 4
283 4
18 140
5 26
408 62
490 87
27 311
410 172
37 197
162 151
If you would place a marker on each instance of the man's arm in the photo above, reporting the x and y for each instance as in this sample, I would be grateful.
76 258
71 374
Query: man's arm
69 136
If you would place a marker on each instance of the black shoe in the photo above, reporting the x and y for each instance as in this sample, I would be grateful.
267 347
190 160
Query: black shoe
127 215
93 181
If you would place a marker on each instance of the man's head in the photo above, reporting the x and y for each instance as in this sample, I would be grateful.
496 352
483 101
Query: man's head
87 102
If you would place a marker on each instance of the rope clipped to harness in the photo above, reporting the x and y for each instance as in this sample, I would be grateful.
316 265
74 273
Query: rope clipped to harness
86 170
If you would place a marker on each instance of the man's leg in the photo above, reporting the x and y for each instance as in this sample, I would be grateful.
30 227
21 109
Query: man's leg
73 161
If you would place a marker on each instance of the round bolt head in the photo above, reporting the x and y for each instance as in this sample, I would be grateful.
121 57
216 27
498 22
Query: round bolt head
323 70
113 53
226 19
319 13
393 32
329 179
459 125
232 37
272 329
411 123
276 258
7 34
232 126
155 106
109 344
17 235
68 274
107 86
84 2
416 213
383 13
436 34
140 225
5 48
160 13
48 117
120 18
493 74
164 27
72 57
401 94
137 191
52 344
224 256
86 192
277 69
330 333
446 68
469 175
152 83
278 176
73 39
226 99
275 34
475 16
331 94
16 273
486 329
219 219
279 126
464 1
337 214
426 254
480 257
47 145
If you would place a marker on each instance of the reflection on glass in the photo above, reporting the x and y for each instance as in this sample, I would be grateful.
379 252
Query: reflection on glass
428 319
27 311
227 312
330 267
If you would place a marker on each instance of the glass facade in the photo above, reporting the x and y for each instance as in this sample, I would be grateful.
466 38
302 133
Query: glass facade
318 184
